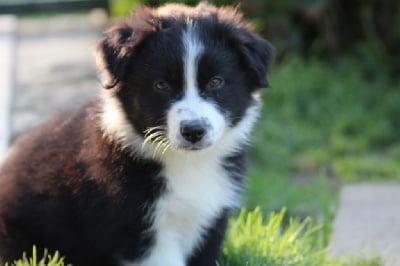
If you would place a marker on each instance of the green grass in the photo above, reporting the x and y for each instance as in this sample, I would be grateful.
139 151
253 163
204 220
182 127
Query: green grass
323 124
39 260
253 240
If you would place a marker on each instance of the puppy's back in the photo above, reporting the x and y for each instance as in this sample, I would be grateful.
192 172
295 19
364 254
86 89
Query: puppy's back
40 166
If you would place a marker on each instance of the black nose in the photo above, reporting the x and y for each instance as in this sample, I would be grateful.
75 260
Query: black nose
192 131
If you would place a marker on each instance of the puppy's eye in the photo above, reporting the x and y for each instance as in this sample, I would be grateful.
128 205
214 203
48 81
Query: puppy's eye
161 85
215 83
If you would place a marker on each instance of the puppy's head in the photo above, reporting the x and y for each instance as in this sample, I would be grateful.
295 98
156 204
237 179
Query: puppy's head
182 78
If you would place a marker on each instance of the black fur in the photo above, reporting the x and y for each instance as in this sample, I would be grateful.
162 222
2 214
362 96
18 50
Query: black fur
74 192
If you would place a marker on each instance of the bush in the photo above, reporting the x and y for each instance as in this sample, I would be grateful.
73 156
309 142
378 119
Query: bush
318 112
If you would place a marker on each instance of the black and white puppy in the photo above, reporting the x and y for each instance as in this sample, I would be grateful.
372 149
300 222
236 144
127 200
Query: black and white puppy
146 174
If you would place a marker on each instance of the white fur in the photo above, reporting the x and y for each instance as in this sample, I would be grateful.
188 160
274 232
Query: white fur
193 107
193 49
116 127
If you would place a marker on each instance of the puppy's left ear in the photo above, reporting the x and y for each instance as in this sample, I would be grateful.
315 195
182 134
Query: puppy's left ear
113 54
118 48
257 55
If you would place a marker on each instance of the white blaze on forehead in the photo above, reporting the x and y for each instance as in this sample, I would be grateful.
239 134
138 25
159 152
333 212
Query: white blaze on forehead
193 49
192 106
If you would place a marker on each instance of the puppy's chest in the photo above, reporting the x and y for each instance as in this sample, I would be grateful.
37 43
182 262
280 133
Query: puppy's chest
200 190
197 193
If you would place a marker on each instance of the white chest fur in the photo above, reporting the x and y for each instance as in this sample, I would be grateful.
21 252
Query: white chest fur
198 189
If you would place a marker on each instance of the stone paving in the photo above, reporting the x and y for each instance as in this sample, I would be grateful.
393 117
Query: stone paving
368 222
56 68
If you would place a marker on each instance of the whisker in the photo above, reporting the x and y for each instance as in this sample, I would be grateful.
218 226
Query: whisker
156 135
166 147
159 145
153 128
152 132
153 136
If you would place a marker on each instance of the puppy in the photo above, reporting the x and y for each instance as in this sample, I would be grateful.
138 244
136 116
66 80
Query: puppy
147 173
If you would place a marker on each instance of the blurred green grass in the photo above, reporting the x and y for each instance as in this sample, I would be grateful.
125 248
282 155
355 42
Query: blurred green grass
323 124
121 8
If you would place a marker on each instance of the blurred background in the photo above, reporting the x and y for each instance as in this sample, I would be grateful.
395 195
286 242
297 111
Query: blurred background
331 118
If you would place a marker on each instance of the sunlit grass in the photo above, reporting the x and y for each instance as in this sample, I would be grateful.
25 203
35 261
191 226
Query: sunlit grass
253 240
38 259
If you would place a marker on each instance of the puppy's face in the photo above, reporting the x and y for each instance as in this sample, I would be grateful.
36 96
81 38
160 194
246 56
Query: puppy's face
185 76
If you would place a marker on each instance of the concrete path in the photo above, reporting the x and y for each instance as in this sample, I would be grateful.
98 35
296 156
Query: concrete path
55 67
368 222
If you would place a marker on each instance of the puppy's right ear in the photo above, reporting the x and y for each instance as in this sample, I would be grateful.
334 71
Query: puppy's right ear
113 53
117 49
